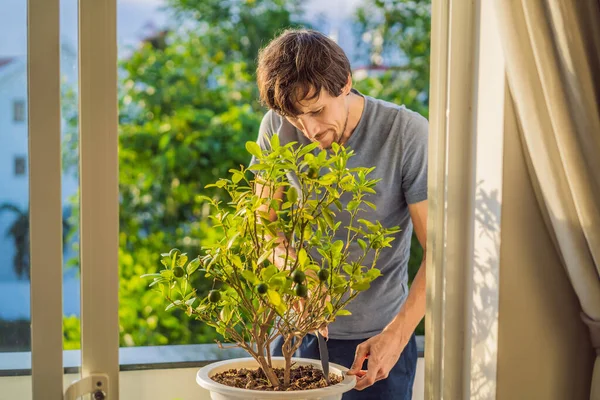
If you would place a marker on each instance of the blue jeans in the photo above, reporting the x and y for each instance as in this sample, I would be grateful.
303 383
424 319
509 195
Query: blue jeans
398 385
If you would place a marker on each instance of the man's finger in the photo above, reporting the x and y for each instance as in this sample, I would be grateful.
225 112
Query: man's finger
369 379
361 373
362 352
324 331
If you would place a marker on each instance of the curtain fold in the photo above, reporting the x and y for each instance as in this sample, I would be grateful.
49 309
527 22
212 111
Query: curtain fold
552 52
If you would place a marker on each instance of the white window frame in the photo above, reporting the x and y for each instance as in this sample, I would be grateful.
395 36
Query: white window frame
99 191
45 202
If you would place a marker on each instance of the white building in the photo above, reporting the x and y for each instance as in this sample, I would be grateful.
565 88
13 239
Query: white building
14 183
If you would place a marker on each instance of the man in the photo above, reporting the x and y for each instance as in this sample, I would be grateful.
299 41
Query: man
305 79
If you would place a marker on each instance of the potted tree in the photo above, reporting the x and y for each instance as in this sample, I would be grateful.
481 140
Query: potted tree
289 276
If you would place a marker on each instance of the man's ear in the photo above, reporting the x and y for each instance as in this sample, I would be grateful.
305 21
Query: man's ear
346 89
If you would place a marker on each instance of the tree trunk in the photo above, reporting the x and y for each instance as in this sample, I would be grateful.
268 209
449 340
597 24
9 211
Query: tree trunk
268 370
287 352
287 370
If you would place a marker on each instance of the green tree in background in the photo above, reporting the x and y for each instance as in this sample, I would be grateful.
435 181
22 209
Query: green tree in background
18 230
400 28
188 102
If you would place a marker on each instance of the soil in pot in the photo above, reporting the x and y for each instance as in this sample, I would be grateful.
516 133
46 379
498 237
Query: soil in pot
302 377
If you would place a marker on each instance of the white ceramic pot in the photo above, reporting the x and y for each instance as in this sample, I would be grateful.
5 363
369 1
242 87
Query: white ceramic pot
219 391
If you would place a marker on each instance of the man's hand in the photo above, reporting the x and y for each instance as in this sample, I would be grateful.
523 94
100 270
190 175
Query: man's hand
383 352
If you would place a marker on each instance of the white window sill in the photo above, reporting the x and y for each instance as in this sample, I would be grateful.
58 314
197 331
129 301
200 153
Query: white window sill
141 358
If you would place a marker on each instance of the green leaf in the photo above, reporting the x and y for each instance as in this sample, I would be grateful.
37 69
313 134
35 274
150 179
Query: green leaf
338 204
173 304
232 240
328 218
254 149
373 273
337 247
235 178
226 314
200 198
307 149
348 269
369 190
323 253
277 281
370 226
190 301
353 205
182 260
193 266
274 297
281 275
264 256
292 194
302 257
258 167
373 206
343 313
341 289
314 267
275 142
149 275
249 276
327 179
281 308
167 273
329 307
236 261
267 273
362 244
346 179
360 286
157 280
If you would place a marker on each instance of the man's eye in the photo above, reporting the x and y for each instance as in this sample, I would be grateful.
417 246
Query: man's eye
317 112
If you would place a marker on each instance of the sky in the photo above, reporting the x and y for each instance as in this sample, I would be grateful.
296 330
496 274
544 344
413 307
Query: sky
132 17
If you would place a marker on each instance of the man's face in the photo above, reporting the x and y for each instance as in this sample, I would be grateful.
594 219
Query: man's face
323 119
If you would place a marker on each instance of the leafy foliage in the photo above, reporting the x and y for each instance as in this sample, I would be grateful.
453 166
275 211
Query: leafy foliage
19 232
400 29
250 304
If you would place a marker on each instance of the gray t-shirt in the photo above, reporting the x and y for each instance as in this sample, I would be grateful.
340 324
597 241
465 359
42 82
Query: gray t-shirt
393 139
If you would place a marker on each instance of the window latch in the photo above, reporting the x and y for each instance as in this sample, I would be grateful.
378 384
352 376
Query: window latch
95 384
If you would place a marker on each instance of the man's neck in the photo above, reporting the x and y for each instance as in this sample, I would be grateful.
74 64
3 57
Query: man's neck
356 105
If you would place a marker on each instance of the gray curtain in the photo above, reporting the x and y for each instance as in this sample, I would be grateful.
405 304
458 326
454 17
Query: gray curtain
552 51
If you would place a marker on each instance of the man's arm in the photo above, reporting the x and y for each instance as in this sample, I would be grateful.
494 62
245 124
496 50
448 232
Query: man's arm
384 350
413 310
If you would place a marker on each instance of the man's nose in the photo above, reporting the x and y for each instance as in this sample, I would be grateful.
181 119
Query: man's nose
311 128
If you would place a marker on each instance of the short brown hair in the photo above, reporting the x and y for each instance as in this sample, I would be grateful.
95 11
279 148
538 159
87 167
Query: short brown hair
296 62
